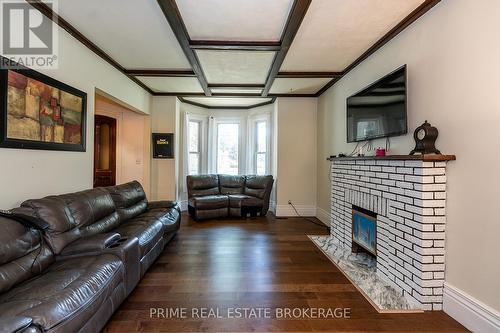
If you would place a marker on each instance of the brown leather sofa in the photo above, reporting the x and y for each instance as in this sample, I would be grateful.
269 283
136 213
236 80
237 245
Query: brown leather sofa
94 248
216 196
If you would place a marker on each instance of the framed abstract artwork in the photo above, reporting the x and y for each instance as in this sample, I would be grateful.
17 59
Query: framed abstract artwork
38 112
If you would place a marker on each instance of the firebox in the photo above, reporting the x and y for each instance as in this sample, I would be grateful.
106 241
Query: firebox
364 231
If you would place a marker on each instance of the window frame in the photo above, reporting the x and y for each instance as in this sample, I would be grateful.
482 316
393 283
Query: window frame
256 151
200 145
253 131
234 121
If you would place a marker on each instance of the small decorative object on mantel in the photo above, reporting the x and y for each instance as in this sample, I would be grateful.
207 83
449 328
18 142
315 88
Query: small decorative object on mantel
163 145
425 139
380 152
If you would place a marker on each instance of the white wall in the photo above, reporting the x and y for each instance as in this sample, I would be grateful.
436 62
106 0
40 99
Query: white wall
164 111
296 156
453 56
31 174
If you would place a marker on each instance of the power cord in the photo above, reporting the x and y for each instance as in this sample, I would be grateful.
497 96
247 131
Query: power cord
308 219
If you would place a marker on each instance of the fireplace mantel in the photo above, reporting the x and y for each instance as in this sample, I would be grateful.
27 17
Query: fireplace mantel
425 158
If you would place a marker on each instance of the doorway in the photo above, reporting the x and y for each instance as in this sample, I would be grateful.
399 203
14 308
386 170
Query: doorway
104 151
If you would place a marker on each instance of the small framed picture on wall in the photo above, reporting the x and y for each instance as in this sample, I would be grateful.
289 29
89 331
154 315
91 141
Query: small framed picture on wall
163 145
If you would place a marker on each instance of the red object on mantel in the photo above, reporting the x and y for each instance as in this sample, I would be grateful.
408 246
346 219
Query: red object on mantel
380 152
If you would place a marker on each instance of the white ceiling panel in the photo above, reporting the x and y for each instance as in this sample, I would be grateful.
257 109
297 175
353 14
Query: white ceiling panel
235 66
236 91
227 101
172 84
334 33
242 20
134 33
298 85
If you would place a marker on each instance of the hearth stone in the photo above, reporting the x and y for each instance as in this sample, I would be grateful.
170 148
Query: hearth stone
409 198
361 269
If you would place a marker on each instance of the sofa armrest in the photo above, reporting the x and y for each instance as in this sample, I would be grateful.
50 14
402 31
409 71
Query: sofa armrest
90 244
14 324
129 253
162 204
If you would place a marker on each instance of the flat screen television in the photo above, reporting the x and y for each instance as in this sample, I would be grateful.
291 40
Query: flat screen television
379 110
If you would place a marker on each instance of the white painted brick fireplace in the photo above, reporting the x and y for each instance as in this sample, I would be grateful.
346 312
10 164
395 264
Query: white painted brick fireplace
408 194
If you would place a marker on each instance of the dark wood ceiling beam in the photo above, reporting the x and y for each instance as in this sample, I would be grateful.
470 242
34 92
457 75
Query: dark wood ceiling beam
234 45
173 16
160 72
312 75
297 14
65 25
408 20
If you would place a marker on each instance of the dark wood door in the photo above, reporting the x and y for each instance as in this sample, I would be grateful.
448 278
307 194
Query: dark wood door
104 151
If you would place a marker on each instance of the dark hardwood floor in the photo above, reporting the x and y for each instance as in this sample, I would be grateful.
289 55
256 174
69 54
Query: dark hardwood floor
255 263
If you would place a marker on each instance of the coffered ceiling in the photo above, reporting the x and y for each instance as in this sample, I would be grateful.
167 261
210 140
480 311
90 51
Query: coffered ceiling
237 53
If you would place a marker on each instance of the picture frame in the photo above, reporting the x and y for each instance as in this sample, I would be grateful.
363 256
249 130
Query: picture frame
39 112
163 145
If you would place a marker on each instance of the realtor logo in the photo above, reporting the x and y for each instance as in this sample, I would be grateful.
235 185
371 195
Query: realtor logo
29 37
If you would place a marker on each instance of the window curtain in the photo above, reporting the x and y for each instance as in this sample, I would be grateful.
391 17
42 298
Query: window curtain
212 146
184 167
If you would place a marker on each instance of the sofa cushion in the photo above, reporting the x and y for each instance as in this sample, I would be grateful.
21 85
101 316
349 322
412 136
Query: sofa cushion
148 230
71 216
169 217
130 199
63 228
209 202
242 200
202 185
67 289
258 186
22 255
231 184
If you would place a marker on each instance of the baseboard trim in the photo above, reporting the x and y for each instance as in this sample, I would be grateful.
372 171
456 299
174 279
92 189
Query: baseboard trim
288 211
471 313
323 216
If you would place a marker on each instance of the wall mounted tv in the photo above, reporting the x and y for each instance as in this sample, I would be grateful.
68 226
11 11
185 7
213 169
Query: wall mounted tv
379 110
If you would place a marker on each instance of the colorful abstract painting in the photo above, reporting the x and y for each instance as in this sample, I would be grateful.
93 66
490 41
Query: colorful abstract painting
39 112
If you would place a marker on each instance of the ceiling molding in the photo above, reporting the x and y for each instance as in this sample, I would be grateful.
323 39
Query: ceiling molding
312 75
407 21
239 95
239 107
297 14
234 45
65 25
173 16
160 72
291 95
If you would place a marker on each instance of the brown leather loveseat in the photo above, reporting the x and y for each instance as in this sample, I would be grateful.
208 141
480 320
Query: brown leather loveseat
68 261
215 196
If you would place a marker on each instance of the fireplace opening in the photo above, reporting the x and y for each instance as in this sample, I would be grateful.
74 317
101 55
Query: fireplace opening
364 231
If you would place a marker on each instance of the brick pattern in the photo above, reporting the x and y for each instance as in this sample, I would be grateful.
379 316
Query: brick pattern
409 198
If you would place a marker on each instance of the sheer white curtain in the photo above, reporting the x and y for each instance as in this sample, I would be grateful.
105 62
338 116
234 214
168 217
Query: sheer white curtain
212 146
184 165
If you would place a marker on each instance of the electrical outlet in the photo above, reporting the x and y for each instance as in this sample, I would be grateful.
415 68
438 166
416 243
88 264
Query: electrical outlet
289 202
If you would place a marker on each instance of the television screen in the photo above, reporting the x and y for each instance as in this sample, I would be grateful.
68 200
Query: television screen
379 110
